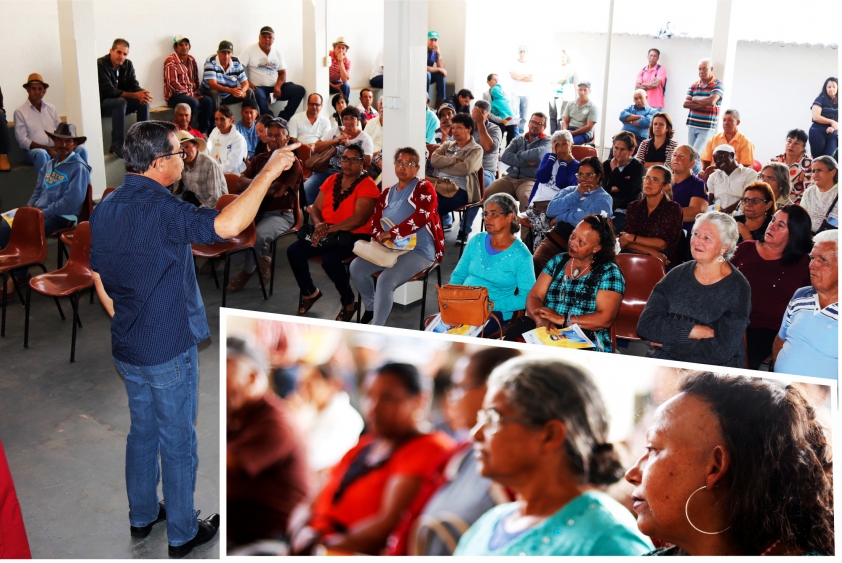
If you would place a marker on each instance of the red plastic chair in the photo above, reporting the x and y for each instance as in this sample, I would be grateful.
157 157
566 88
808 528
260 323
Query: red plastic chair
641 273
27 247
231 183
84 215
66 237
68 281
304 154
580 152
243 242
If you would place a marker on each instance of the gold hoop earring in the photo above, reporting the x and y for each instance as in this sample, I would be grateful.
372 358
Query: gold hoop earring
687 515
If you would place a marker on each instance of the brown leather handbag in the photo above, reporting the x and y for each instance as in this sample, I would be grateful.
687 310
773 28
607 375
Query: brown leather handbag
464 305
320 161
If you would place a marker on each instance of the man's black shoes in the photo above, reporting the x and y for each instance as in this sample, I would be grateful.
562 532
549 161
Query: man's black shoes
207 530
143 531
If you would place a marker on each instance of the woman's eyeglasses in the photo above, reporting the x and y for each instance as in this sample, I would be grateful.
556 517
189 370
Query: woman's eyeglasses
753 200
349 160
491 419
653 180
492 214
586 175
404 164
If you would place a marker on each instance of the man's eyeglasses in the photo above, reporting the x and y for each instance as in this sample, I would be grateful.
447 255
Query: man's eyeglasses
753 201
314 104
538 123
180 153
346 159
404 164
491 419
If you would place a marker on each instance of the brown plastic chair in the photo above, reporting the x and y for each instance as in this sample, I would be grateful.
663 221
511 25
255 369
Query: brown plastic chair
463 211
423 275
641 273
299 221
84 215
68 281
231 183
27 247
304 154
243 242
66 237
582 151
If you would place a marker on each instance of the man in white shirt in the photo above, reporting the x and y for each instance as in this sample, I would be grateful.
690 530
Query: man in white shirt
729 180
374 129
267 75
32 121
309 126
521 75
376 76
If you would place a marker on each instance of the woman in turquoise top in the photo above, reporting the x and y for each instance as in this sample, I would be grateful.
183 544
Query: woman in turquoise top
543 433
498 261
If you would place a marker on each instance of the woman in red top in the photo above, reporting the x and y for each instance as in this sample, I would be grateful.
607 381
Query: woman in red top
369 489
341 216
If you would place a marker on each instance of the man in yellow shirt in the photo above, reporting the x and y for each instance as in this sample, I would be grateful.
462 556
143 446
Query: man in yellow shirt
730 135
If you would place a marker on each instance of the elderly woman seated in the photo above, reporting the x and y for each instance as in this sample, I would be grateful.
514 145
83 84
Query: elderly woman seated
777 175
758 205
653 224
369 489
821 199
736 466
498 261
699 311
403 212
543 432
341 216
582 286
569 206
775 267
556 171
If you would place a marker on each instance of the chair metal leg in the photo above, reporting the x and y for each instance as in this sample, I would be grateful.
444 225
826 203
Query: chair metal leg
18 289
26 323
259 277
272 275
93 290
74 300
3 327
424 301
213 271
359 306
225 278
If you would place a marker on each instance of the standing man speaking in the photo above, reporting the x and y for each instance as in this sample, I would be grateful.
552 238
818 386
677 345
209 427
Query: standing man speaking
145 278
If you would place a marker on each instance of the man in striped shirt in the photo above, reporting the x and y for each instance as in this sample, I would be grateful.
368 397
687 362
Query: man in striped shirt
704 99
181 84
224 77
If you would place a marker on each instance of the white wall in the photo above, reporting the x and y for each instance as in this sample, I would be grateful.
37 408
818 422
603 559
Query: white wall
360 23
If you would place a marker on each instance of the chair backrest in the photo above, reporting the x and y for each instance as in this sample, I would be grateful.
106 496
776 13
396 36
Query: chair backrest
481 179
641 273
582 151
27 236
249 235
107 192
224 201
80 250
88 206
231 183
304 153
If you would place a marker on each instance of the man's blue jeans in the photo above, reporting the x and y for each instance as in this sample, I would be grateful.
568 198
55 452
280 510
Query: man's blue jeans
117 108
698 138
40 157
440 80
522 103
290 92
343 87
163 400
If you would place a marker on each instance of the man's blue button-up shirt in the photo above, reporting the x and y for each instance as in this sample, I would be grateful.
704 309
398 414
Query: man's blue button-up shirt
140 246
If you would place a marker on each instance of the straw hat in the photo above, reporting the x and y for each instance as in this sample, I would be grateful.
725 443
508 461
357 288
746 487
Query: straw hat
185 136
35 77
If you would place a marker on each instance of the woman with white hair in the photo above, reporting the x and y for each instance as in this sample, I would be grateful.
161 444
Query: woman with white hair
699 311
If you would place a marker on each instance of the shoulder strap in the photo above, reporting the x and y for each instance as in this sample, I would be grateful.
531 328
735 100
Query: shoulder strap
832 205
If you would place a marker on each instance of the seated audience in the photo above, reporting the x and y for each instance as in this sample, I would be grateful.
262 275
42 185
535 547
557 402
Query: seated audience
824 132
659 147
821 200
266 458
775 265
580 116
224 77
267 75
758 206
557 171
182 84
375 79
182 116
501 108
461 101
339 103
340 68
522 156
776 174
807 342
404 211
688 190
120 93
570 206
730 135
374 129
341 216
247 126
34 120
543 432
699 311
275 215
735 466
329 423
445 114
436 73
798 163
623 177
260 131
456 164
59 192
369 489
366 107
202 180
727 183
226 144
637 118
489 136
5 165
653 224
339 138
307 127
583 286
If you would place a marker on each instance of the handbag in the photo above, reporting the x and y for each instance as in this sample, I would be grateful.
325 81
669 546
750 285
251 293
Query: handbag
320 161
464 305
826 224
444 187
339 238
376 253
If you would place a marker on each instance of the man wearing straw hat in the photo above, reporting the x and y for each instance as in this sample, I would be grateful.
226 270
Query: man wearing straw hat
340 68
202 181
33 121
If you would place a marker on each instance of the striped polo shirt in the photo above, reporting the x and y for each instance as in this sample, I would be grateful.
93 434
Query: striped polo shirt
810 336
231 78
705 118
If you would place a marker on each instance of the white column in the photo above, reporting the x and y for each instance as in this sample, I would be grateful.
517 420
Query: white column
404 81
603 142
724 50
313 24
78 59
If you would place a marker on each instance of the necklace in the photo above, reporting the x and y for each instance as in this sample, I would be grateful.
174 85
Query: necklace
770 548
577 273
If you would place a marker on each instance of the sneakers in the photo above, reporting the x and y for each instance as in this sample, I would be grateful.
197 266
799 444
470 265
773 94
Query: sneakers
143 531
265 267
367 317
239 281
461 238
447 223
207 530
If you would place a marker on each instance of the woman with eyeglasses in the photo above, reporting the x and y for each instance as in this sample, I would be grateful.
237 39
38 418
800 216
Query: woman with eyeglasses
653 224
583 286
497 260
569 206
821 200
226 145
699 311
340 137
778 176
543 432
404 211
341 216
775 266
758 205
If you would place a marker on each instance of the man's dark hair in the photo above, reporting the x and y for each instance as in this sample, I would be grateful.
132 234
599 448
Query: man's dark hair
654 49
542 115
797 134
145 142
465 120
465 93
352 111
366 90
483 105
490 75
266 119
321 99
119 41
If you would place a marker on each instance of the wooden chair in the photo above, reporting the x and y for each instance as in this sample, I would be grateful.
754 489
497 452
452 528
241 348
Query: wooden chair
423 275
463 211
68 281
84 215
641 273
582 151
27 247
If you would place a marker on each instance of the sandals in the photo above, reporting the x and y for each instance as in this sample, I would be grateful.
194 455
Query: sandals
306 303
347 313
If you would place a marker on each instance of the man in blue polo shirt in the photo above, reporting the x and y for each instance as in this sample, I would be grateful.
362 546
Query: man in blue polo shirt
224 78
144 276
807 343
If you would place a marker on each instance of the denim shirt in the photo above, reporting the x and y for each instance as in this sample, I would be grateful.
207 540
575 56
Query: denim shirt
140 246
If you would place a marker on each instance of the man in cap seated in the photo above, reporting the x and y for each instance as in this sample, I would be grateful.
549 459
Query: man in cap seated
224 77
727 183
267 75
181 84
436 73
202 180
